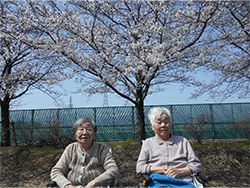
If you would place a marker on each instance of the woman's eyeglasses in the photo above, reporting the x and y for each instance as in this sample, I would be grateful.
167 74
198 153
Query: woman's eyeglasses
81 130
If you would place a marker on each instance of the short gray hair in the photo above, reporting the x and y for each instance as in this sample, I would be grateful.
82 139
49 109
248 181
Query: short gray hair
79 122
156 112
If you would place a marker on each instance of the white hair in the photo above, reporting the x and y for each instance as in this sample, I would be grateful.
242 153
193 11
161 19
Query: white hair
79 122
156 112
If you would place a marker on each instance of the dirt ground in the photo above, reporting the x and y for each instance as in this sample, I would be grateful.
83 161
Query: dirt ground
227 162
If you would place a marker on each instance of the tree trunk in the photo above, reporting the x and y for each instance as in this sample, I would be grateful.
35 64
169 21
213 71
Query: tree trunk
5 114
140 122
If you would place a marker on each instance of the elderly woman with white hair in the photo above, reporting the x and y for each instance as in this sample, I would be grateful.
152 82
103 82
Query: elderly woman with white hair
165 153
84 163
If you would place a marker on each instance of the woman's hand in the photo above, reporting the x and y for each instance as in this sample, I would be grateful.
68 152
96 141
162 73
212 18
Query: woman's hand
157 170
93 183
69 186
177 172
172 172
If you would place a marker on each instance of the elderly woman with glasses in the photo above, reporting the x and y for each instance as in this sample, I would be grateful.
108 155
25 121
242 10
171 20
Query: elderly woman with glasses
165 153
85 162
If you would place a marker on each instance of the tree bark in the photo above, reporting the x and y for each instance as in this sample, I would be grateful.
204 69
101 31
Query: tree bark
5 114
140 122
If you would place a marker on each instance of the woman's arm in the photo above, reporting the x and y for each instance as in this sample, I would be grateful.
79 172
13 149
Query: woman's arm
59 171
157 170
193 162
111 169
142 166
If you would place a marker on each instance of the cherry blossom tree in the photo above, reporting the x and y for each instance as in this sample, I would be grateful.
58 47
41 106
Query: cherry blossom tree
231 64
131 48
22 67
136 48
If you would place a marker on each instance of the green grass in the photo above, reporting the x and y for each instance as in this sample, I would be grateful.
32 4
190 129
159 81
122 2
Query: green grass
239 144
223 143
127 143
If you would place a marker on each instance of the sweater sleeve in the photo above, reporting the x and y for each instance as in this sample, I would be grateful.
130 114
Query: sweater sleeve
111 169
142 165
59 171
193 162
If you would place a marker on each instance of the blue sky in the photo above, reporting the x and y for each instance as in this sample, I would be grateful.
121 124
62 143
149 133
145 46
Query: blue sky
172 95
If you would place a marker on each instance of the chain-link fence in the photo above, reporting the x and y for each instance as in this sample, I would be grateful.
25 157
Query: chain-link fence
208 121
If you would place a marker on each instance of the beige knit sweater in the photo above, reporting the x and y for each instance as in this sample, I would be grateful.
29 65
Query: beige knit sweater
79 168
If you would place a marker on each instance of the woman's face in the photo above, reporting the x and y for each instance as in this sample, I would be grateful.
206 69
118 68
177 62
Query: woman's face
85 134
162 127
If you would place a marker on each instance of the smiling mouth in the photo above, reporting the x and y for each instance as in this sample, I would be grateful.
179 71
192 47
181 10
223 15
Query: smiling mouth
164 130
84 138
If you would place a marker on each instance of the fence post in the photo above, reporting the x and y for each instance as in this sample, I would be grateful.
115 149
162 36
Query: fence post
133 121
232 108
192 117
14 131
94 114
113 115
32 117
171 112
32 125
212 118
232 111
57 114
